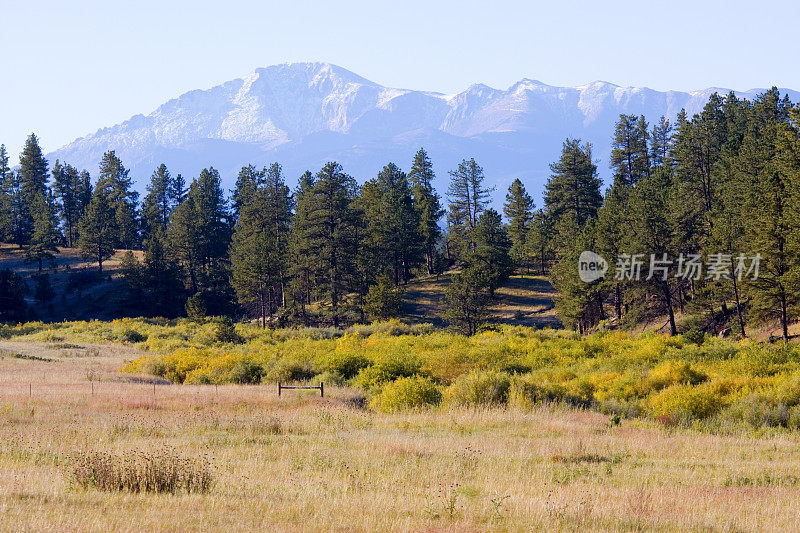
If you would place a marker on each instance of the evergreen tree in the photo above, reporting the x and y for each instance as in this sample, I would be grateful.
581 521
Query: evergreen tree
6 197
162 282
466 300
771 210
492 250
83 192
115 181
573 186
97 230
302 248
652 236
68 189
392 238
518 209
177 190
12 297
199 236
158 203
279 206
661 144
32 177
468 197
259 246
629 150
427 204
384 299
332 237
46 237
246 184
579 304
539 241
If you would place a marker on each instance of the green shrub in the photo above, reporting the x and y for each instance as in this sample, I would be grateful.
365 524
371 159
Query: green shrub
479 388
288 370
347 364
406 393
226 331
694 335
245 372
131 335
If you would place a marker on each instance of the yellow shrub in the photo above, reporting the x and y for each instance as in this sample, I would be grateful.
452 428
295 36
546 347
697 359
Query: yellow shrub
686 401
406 393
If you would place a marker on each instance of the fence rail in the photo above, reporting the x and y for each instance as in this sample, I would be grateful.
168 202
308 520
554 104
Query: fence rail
320 387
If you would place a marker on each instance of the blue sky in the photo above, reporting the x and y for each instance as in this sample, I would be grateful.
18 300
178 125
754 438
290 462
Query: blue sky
68 68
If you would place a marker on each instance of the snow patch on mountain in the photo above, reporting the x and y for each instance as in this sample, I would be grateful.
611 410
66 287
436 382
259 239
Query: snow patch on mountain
304 114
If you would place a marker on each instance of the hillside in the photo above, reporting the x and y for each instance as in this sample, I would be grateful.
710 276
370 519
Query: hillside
80 294
521 301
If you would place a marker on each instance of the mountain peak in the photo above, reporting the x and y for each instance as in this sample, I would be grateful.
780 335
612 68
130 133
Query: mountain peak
305 114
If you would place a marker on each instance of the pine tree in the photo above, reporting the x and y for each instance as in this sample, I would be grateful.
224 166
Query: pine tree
539 241
468 197
97 230
384 299
6 197
115 181
466 300
578 304
302 247
199 236
254 257
259 245
427 204
652 235
246 184
661 144
177 190
332 236
771 210
46 237
392 238
279 206
629 150
12 297
518 209
161 274
492 250
158 204
573 186
32 177
67 185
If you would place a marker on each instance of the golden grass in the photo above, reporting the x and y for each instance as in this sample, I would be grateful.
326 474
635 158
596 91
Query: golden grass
305 463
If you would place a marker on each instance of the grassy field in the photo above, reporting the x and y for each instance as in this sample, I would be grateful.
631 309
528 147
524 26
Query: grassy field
301 462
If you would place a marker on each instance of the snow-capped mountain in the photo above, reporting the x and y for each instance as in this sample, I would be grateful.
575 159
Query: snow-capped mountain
304 114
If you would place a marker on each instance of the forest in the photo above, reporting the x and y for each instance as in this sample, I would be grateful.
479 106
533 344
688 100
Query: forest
717 187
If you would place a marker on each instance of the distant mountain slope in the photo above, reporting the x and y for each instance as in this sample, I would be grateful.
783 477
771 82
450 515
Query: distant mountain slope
304 114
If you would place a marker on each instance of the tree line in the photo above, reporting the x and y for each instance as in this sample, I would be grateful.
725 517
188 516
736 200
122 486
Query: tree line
328 252
717 185
711 190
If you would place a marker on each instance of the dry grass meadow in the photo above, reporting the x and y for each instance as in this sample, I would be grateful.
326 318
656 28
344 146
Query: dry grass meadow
304 463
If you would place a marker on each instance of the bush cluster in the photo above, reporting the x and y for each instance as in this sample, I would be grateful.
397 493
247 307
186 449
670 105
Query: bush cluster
716 382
